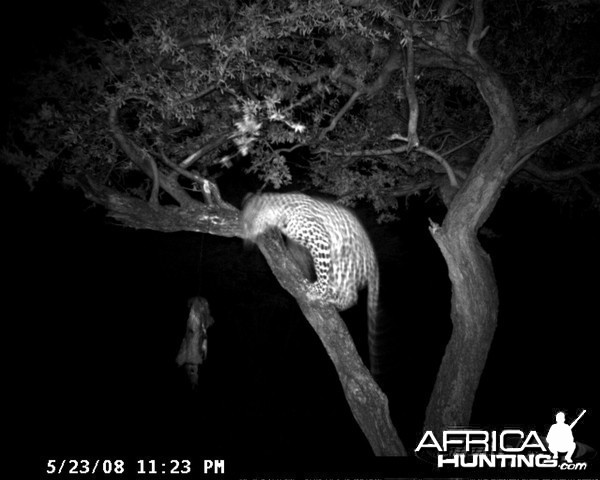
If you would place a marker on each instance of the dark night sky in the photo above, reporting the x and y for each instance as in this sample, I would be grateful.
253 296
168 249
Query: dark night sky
107 309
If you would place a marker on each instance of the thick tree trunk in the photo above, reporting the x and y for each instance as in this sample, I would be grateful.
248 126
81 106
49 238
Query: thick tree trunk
474 292
474 316
474 307
368 403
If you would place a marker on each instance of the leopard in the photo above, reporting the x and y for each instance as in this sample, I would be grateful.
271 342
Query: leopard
343 256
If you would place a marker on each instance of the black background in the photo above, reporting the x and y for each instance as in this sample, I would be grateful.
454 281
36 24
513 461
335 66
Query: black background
95 314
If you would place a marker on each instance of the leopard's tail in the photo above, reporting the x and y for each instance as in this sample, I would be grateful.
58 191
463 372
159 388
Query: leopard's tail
374 340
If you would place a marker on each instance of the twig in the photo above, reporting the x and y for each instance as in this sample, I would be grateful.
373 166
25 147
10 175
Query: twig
436 156
442 161
464 144
411 95
558 175
210 191
344 109
364 153
192 176
155 182
194 157
195 97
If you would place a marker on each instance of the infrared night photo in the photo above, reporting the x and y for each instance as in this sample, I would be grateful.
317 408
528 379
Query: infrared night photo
316 239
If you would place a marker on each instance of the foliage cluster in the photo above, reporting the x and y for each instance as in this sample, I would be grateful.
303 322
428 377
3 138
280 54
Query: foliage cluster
241 83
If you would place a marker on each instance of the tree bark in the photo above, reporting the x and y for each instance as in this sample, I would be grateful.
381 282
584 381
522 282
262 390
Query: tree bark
368 403
474 302
137 213
474 317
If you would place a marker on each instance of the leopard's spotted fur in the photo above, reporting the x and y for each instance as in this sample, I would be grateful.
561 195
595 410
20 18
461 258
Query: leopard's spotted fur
342 253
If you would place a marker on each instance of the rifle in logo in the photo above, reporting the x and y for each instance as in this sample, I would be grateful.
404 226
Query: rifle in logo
577 419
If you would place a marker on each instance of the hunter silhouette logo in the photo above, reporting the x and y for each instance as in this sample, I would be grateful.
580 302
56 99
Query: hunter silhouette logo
560 437
507 448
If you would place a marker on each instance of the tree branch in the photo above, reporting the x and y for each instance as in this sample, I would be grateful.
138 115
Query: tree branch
315 76
442 161
477 31
367 402
398 19
136 155
436 156
394 62
537 136
411 95
409 189
558 175
205 149
137 213
464 144
364 153
155 182
340 114
203 93
209 189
